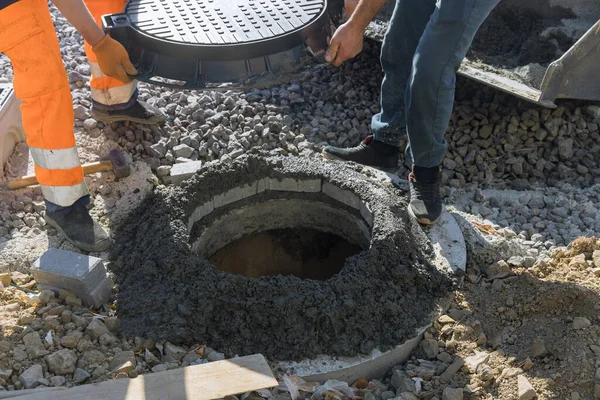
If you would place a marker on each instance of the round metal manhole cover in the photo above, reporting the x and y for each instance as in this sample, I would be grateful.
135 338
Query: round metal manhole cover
210 22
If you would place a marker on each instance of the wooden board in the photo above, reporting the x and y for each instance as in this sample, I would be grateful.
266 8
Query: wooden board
198 382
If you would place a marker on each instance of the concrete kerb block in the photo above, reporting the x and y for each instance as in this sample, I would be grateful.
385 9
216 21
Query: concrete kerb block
84 276
183 171
366 213
341 195
201 212
235 194
289 185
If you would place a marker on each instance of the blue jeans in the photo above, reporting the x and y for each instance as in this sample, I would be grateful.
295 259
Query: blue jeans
425 43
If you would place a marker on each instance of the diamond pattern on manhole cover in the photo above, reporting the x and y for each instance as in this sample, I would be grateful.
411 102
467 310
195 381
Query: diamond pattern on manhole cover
218 22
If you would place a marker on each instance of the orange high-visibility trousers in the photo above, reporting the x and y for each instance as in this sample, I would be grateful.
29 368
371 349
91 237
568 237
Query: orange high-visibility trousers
28 38
106 90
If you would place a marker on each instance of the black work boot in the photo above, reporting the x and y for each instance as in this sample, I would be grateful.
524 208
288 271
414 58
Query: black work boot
370 152
139 112
425 198
79 228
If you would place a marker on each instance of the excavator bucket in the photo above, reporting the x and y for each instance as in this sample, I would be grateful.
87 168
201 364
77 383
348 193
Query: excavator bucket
538 50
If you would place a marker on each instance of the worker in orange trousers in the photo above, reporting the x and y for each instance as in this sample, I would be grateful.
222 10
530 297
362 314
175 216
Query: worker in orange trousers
28 38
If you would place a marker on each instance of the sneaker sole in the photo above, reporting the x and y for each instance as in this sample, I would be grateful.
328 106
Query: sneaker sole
110 120
423 221
81 246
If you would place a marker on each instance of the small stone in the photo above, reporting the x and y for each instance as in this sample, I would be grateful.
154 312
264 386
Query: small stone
473 362
121 359
121 375
34 346
452 394
19 355
596 258
127 367
159 368
96 328
5 374
183 150
401 382
112 324
361 383
538 348
29 378
73 301
5 279
174 351
581 323
58 381
431 348
525 389
597 391
485 372
387 395
107 340
71 340
527 364
62 362
446 319
215 356
81 375
452 369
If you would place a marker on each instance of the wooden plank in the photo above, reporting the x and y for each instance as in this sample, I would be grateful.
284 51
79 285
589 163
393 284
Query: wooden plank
198 382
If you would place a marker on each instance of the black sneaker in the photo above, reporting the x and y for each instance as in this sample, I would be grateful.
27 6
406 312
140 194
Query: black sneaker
140 112
425 198
79 228
370 152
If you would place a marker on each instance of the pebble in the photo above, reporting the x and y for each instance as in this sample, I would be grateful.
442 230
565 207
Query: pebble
452 369
524 389
538 348
452 394
431 348
30 376
62 362
80 375
473 362
96 328
34 346
581 323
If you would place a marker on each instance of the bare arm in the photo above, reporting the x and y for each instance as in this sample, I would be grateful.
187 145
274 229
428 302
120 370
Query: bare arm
347 41
79 16
364 12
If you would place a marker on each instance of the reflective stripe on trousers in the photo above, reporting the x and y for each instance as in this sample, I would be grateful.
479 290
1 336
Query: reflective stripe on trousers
106 90
28 38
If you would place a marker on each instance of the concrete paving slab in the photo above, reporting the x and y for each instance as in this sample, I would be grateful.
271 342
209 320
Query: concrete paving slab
84 276
183 171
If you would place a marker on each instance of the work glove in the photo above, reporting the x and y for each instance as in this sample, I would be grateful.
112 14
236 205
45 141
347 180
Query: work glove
114 60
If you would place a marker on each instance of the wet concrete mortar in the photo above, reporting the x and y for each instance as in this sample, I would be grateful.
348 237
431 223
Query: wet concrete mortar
379 298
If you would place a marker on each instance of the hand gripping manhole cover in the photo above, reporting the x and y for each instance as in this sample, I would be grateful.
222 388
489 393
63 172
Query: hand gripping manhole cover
193 43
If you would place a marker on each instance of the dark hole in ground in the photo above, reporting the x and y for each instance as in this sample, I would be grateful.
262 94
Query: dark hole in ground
301 252
510 36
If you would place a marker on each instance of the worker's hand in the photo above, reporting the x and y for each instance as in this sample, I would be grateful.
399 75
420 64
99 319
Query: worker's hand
346 43
114 60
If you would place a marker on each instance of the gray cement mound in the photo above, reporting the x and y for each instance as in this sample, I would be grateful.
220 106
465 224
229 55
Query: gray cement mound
378 299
